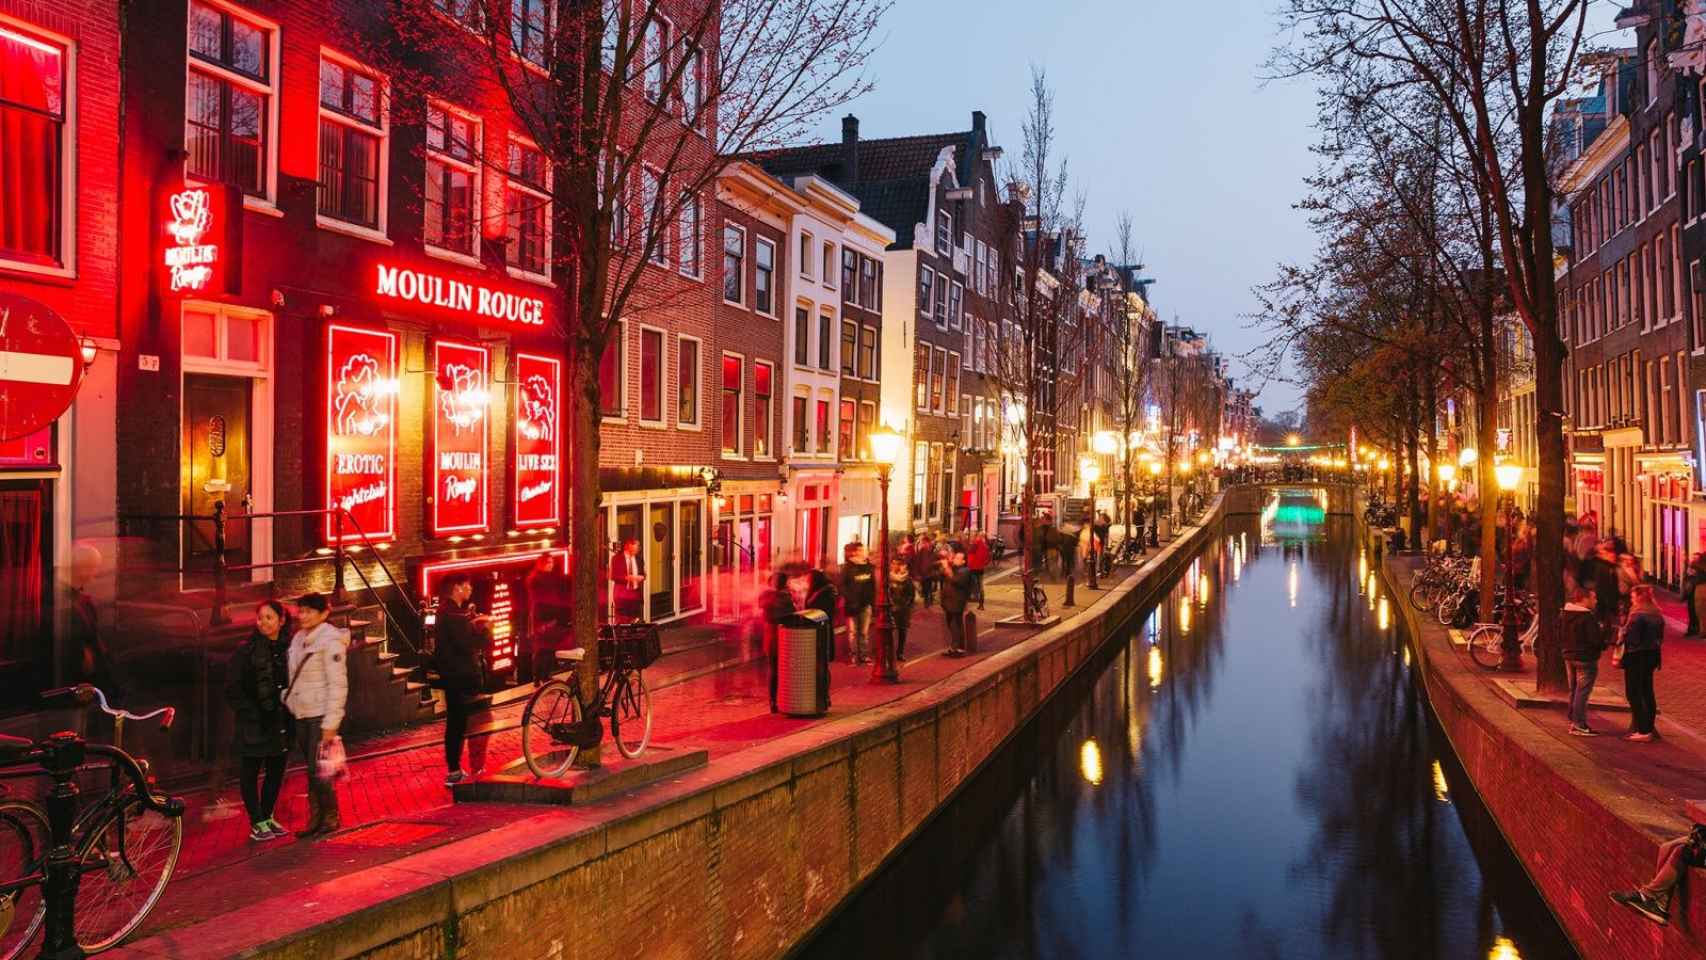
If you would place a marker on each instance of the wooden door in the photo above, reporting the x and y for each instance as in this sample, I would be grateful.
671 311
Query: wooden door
215 467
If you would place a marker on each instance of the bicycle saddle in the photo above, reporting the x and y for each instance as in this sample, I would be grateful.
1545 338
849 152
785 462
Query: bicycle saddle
575 655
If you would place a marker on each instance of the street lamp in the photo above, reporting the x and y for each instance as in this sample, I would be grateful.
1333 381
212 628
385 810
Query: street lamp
1092 473
1447 474
1509 475
885 447
1154 503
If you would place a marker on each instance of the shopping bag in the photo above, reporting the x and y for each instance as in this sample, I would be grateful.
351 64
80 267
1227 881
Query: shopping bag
333 764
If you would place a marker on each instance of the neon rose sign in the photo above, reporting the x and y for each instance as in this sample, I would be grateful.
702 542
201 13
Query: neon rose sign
196 240
361 432
538 418
458 473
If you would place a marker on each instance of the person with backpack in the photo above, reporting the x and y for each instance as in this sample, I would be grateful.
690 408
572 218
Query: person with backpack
316 695
459 636
254 680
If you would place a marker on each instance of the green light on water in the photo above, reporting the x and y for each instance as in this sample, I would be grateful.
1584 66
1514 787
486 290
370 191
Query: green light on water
1299 515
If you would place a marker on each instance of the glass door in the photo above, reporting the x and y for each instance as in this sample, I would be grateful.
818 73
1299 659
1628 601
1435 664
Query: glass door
660 561
692 557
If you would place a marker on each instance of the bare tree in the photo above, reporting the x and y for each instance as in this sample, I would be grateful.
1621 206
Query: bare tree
1129 341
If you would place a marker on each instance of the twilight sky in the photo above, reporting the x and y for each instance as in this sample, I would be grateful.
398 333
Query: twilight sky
1161 111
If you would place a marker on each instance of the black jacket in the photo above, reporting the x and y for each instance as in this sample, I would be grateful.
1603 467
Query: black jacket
1584 639
858 586
1643 632
1601 577
956 590
255 679
459 645
903 594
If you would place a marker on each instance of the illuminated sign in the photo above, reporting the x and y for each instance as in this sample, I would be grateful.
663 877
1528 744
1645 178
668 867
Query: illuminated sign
459 296
200 240
457 471
495 581
538 432
361 432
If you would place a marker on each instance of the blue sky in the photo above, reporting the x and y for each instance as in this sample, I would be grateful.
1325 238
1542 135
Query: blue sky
1161 111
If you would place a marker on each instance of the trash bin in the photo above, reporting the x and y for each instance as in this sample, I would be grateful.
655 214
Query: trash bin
802 687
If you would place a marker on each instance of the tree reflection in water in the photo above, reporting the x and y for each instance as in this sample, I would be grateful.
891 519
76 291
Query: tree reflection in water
1261 784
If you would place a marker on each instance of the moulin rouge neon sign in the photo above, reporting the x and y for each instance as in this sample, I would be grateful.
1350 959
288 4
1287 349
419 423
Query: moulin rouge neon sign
460 296
195 254
538 418
361 431
459 433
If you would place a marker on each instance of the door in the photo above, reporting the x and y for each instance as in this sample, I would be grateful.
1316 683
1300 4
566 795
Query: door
26 522
215 465
660 560
692 557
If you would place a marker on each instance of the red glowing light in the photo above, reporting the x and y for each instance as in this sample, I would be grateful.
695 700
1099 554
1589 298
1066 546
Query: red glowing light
199 240
473 300
538 431
361 431
460 429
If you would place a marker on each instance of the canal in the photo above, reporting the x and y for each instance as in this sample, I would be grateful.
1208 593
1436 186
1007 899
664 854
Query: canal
1251 771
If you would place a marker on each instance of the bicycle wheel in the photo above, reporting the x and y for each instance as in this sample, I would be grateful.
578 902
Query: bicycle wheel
1446 609
24 838
631 716
1421 594
551 713
127 860
1486 645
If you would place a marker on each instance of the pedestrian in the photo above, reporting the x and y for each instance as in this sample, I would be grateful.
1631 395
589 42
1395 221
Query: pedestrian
956 596
811 589
1629 576
924 565
628 581
777 603
254 679
315 695
1583 643
460 636
1599 574
1692 595
1522 554
977 561
1653 898
903 593
1643 635
1103 528
858 594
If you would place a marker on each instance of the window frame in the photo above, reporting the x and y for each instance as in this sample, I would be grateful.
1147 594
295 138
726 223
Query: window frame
662 391
474 167
802 354
849 352
382 149
652 187
758 246
944 238
267 201
740 286
825 336
870 370
64 264
519 51
769 404
621 341
698 376
800 408
695 242
926 290
738 450
510 183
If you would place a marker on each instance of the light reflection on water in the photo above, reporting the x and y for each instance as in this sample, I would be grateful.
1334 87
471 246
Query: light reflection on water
1254 773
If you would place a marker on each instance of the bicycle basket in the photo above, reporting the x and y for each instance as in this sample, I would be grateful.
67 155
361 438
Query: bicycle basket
637 645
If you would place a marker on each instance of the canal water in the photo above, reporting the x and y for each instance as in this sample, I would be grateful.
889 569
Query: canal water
1252 771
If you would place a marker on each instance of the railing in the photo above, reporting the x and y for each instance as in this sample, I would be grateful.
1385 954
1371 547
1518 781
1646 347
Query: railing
338 554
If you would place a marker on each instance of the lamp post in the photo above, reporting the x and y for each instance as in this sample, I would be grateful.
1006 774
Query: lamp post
1092 473
1154 503
885 447
1509 475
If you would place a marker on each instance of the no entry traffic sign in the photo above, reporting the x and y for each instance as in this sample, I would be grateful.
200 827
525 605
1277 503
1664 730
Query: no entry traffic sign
41 366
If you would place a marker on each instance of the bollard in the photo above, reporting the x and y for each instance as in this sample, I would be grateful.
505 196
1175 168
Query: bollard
1068 601
971 632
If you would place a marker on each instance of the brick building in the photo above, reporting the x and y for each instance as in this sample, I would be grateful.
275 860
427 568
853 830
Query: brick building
59 253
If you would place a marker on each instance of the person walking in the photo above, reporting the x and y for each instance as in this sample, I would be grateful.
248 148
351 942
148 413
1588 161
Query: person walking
628 582
1103 527
977 561
1599 575
812 589
777 603
956 596
460 636
858 593
903 594
1583 643
1691 594
924 566
316 695
254 680
1643 635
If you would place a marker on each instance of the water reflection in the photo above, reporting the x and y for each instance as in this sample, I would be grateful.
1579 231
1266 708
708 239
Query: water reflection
1254 772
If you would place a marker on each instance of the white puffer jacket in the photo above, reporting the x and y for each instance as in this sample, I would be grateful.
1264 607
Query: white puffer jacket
321 687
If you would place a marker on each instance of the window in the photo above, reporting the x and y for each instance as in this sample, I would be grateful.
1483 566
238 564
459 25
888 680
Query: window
657 59
802 428
530 29
849 275
867 424
1643 181
953 384
944 233
828 264
823 426
868 352
825 337
465 12
693 87
651 375
849 348
938 371
734 264
687 381
452 181
689 236
956 297
868 284
806 258
651 214
844 437
618 205
921 376
920 460
1652 72
34 208
732 381
1661 169
926 284
763 377
611 375
527 209
933 481
764 277
941 300
228 104
352 141
802 336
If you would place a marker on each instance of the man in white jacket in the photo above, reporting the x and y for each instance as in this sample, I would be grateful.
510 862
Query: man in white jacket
318 691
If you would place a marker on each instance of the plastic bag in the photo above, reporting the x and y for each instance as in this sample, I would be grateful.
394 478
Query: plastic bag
333 764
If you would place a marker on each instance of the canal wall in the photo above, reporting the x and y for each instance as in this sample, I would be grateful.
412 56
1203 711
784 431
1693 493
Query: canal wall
1579 830
743 858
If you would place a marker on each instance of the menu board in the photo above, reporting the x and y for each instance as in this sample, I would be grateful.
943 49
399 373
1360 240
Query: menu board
361 432
457 470
538 433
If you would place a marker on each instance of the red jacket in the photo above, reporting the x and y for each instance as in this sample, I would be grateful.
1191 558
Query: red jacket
977 555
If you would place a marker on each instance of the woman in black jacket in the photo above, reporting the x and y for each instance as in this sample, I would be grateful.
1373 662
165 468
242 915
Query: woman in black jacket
460 637
254 683
1643 634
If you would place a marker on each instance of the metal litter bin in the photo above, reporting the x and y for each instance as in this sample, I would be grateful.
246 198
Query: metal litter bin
802 677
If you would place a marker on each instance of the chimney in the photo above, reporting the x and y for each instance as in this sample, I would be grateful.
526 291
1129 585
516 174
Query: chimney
850 149
977 124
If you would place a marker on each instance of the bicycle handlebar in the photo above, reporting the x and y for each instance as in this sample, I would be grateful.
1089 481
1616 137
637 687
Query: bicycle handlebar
170 806
83 693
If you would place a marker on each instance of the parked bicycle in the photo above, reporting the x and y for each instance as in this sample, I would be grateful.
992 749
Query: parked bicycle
556 726
88 877
1486 642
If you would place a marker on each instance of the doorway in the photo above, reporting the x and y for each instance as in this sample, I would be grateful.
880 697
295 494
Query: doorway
216 465
26 597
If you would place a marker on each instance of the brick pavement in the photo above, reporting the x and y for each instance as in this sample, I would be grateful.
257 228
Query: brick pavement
394 803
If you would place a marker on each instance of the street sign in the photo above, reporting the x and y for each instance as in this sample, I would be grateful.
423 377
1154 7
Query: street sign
41 366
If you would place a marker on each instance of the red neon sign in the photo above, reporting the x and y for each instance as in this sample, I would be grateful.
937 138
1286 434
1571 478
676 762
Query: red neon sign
199 240
538 433
495 580
361 431
474 300
460 428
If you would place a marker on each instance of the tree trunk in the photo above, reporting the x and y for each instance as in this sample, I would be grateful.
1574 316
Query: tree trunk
1430 398
586 587
1485 440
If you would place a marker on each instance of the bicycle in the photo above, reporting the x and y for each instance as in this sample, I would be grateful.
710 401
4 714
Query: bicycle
556 726
91 876
1486 643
